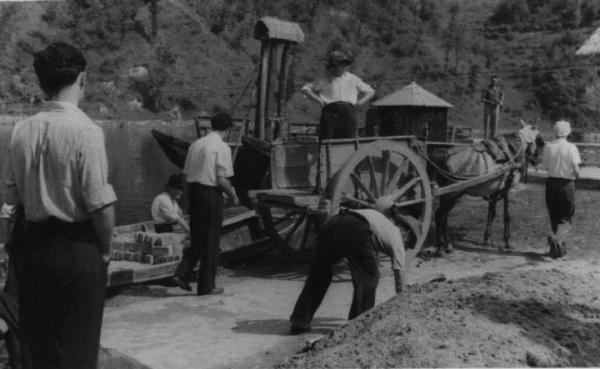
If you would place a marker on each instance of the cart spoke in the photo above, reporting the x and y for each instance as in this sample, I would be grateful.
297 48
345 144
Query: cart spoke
384 171
307 227
411 222
294 228
401 191
373 178
409 202
357 201
362 186
393 183
285 218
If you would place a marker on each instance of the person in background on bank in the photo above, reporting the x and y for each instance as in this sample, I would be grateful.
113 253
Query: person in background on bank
357 236
493 100
561 159
57 169
165 211
339 94
208 168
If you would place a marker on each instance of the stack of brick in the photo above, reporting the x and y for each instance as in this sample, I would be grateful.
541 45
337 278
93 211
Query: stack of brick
147 248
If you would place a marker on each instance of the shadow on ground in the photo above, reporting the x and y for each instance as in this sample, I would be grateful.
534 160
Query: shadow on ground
281 327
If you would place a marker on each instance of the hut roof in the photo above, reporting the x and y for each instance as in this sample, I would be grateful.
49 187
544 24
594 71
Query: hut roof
412 95
273 28
591 46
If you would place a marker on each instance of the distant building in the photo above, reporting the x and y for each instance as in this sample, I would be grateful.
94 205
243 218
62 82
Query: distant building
412 110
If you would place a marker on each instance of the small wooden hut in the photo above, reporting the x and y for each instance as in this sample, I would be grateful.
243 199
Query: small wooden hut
412 110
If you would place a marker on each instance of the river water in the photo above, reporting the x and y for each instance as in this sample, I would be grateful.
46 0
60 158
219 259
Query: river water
138 169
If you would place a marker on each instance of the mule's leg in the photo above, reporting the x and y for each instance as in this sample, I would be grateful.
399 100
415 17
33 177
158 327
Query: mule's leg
507 244
451 201
490 220
439 227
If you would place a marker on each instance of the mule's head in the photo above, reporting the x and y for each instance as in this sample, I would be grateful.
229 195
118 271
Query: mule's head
532 142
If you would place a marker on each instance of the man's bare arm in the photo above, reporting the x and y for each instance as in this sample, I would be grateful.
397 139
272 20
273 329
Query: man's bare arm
226 186
313 96
103 220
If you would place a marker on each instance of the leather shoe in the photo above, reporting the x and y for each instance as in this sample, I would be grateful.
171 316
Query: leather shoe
214 291
296 330
183 284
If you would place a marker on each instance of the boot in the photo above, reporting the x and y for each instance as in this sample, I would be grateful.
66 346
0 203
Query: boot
561 237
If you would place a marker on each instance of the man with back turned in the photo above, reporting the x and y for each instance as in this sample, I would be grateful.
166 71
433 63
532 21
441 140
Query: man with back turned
208 169
57 169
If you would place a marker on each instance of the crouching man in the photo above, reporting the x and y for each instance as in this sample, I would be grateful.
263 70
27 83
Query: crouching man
357 236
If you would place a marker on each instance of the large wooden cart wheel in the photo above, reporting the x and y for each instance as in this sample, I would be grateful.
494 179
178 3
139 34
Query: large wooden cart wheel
387 168
292 230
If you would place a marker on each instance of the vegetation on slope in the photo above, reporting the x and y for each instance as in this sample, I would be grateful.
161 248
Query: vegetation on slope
199 56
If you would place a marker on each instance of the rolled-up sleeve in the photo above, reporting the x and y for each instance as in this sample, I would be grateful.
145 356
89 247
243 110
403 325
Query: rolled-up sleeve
97 192
362 86
224 163
396 247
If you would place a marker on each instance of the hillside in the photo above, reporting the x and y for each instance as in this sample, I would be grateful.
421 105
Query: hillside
200 55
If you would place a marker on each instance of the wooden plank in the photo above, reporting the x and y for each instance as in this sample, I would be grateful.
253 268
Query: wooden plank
463 185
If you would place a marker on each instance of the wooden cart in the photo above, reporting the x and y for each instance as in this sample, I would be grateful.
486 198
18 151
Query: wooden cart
312 181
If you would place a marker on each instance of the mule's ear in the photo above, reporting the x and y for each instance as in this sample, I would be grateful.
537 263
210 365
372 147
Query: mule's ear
534 127
523 123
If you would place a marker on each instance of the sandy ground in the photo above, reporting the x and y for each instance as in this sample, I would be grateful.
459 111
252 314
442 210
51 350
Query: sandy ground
165 327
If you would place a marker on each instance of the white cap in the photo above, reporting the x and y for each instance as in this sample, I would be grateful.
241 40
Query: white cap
562 128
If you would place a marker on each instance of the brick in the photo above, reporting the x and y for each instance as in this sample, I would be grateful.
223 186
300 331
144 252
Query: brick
160 259
162 250
117 246
148 259
137 247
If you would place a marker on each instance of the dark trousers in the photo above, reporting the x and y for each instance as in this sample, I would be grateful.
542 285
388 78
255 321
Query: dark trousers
491 117
343 236
338 120
560 201
206 218
163 228
62 286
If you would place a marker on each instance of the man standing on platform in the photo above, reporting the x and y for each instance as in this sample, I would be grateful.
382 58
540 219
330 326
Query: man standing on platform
57 169
338 95
561 159
208 167
493 100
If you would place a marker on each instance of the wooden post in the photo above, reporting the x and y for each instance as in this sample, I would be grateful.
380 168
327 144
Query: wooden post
274 55
259 124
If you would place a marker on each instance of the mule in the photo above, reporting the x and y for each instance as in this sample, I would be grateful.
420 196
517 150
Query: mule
460 163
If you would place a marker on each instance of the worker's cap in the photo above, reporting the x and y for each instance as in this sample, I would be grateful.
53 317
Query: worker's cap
562 128
384 205
339 57
176 181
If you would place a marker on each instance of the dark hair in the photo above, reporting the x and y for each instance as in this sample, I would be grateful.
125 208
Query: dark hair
221 122
176 181
58 66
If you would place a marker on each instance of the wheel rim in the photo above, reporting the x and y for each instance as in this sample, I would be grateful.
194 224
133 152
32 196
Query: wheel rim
386 168
293 231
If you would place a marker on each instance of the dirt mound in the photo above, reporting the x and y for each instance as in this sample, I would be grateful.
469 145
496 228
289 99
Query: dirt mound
533 318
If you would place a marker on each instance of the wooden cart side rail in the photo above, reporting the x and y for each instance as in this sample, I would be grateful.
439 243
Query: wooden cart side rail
463 185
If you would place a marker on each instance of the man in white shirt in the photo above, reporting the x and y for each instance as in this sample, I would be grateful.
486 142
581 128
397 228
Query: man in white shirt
358 236
561 159
338 95
208 168
165 210
57 170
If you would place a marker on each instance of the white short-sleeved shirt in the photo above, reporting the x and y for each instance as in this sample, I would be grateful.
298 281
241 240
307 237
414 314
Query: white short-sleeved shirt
344 88
57 165
387 236
207 158
561 159
165 210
